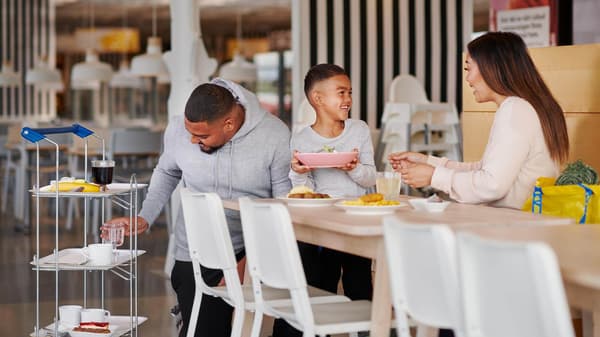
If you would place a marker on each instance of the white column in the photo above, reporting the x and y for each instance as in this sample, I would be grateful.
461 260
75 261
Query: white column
188 62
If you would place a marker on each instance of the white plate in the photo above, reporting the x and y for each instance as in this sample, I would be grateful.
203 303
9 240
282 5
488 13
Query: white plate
112 189
47 262
111 327
48 330
369 210
424 205
69 256
300 202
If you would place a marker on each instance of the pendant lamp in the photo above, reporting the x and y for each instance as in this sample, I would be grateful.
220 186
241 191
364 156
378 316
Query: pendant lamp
150 64
124 78
8 77
239 70
44 77
91 73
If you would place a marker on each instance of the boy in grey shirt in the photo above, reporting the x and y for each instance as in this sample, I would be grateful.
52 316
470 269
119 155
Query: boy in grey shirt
328 90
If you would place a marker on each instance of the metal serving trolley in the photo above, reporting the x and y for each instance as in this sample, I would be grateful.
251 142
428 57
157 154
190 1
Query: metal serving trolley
125 261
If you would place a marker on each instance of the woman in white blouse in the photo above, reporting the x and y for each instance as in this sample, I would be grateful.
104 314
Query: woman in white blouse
528 138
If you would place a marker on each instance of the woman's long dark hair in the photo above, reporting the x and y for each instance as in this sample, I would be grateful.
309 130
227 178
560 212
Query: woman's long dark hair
507 69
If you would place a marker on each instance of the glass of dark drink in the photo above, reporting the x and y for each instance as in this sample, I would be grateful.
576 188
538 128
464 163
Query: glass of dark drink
102 172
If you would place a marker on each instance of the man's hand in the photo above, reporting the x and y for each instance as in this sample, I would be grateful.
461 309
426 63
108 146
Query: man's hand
142 225
297 166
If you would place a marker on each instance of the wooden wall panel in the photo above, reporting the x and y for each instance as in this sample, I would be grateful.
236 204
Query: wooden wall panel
573 75
583 128
571 72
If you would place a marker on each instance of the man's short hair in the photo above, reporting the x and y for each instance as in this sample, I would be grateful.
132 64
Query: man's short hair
319 73
208 102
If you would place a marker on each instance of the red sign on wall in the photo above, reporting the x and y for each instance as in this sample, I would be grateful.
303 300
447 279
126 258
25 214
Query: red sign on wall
536 21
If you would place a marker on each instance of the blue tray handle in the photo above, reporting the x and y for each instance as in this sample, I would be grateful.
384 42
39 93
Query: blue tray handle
35 135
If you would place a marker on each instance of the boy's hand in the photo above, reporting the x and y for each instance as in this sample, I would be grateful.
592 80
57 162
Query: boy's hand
297 166
351 165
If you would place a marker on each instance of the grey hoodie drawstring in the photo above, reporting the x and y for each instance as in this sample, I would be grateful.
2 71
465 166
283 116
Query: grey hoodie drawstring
231 170
215 172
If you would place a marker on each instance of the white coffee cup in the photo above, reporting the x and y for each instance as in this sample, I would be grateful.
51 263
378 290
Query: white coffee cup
69 315
100 254
94 315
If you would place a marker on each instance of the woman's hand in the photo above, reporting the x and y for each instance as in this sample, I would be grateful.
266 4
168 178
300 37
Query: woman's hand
142 225
351 165
417 175
297 166
401 159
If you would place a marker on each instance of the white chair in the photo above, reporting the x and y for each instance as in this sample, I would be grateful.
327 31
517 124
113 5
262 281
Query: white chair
274 261
410 122
210 245
406 88
306 116
14 164
511 289
423 277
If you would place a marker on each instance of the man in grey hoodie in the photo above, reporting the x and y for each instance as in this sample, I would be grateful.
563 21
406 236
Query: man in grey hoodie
228 145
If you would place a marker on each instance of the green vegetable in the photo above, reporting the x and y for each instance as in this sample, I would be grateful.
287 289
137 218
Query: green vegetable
328 149
578 172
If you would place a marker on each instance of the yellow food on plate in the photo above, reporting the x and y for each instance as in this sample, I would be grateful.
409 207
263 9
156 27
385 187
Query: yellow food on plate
373 199
300 189
79 185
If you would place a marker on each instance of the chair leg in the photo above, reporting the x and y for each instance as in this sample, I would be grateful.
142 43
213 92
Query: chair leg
195 312
426 331
6 183
238 321
257 325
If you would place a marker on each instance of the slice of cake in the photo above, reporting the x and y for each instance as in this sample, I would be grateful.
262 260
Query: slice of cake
93 327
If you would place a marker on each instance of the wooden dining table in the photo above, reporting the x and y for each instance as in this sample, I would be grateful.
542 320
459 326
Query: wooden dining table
577 248
362 235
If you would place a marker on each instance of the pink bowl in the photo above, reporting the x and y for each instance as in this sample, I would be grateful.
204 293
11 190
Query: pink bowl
326 159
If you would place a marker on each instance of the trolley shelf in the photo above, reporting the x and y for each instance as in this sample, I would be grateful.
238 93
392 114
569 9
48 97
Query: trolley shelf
75 259
112 189
121 323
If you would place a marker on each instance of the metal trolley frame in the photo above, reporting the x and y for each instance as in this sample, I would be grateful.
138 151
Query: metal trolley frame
125 265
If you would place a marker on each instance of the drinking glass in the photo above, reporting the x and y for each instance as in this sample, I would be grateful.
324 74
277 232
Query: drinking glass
114 233
388 184
102 172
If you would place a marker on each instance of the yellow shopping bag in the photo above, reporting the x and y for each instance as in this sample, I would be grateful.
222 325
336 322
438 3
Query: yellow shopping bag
580 202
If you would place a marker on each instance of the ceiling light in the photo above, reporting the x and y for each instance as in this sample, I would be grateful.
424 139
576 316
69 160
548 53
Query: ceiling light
9 78
91 73
44 77
239 70
124 78
150 64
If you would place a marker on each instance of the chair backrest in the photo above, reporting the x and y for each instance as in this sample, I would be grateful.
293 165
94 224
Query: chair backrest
406 88
206 228
271 244
306 116
423 272
272 255
511 289
134 141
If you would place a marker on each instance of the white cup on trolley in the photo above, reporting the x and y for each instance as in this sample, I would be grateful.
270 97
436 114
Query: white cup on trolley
100 254
69 315
94 315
